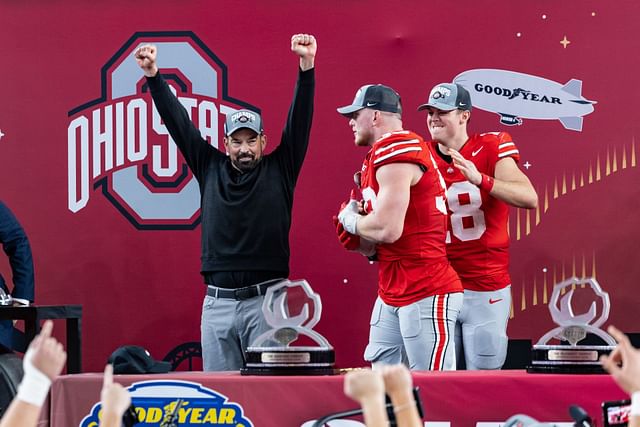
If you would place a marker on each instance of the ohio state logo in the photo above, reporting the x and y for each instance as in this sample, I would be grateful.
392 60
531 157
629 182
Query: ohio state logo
119 145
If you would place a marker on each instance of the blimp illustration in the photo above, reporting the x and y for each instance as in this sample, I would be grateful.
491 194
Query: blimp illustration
515 96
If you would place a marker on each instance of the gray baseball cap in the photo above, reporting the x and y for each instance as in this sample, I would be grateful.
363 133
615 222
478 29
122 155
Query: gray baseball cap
377 97
242 119
447 97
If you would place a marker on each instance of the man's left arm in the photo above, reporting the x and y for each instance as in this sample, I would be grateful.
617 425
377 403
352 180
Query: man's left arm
16 245
295 137
512 186
508 184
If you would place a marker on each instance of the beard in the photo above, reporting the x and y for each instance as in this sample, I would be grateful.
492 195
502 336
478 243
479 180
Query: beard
245 163
362 139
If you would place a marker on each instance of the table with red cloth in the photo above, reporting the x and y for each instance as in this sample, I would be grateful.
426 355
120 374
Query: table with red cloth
462 398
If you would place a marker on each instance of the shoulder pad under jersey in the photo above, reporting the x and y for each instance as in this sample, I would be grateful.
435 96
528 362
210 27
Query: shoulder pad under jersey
400 148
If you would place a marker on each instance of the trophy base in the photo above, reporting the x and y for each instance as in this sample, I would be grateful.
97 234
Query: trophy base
295 371
564 359
289 361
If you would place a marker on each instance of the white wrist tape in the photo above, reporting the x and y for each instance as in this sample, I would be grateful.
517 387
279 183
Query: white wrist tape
35 385
348 217
349 222
635 404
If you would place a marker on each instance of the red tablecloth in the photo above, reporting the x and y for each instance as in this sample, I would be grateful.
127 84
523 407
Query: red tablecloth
461 398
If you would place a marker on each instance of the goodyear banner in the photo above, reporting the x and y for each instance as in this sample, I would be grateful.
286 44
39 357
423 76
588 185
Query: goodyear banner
172 403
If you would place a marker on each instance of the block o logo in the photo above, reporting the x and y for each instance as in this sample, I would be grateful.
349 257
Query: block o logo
118 143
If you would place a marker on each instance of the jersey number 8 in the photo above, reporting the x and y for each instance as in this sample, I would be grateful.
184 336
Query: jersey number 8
470 209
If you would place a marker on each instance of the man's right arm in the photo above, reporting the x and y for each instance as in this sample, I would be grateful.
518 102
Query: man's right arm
175 117
508 182
386 223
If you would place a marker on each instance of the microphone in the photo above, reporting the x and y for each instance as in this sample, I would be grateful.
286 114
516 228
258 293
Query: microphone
580 416
130 417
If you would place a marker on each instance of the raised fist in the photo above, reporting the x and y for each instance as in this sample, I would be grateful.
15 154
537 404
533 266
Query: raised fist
146 59
305 46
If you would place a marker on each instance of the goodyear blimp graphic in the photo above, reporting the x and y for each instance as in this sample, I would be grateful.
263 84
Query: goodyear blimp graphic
515 96
171 403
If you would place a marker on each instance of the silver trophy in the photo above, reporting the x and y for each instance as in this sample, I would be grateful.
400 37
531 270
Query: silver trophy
572 329
272 353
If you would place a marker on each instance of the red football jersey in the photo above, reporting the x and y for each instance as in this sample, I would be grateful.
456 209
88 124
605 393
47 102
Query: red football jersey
478 236
415 266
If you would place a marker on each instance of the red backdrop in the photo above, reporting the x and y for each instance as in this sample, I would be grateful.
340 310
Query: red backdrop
142 286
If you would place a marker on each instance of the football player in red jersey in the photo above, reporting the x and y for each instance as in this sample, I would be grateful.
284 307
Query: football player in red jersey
482 179
403 219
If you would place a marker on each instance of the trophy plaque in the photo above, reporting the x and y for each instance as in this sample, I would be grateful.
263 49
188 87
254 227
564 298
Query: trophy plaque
272 353
573 358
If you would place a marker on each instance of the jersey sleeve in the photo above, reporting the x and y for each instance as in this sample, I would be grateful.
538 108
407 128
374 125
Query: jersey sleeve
295 136
506 147
196 151
401 148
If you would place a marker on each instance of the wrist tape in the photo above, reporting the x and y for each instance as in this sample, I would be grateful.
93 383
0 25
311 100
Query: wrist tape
35 385
487 183
635 404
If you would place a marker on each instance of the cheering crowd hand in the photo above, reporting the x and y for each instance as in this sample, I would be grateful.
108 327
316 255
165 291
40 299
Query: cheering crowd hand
623 363
363 385
42 363
367 387
397 381
305 46
399 386
46 353
146 59
115 400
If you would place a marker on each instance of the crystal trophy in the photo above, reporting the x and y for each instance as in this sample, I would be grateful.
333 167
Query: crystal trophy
573 357
272 353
